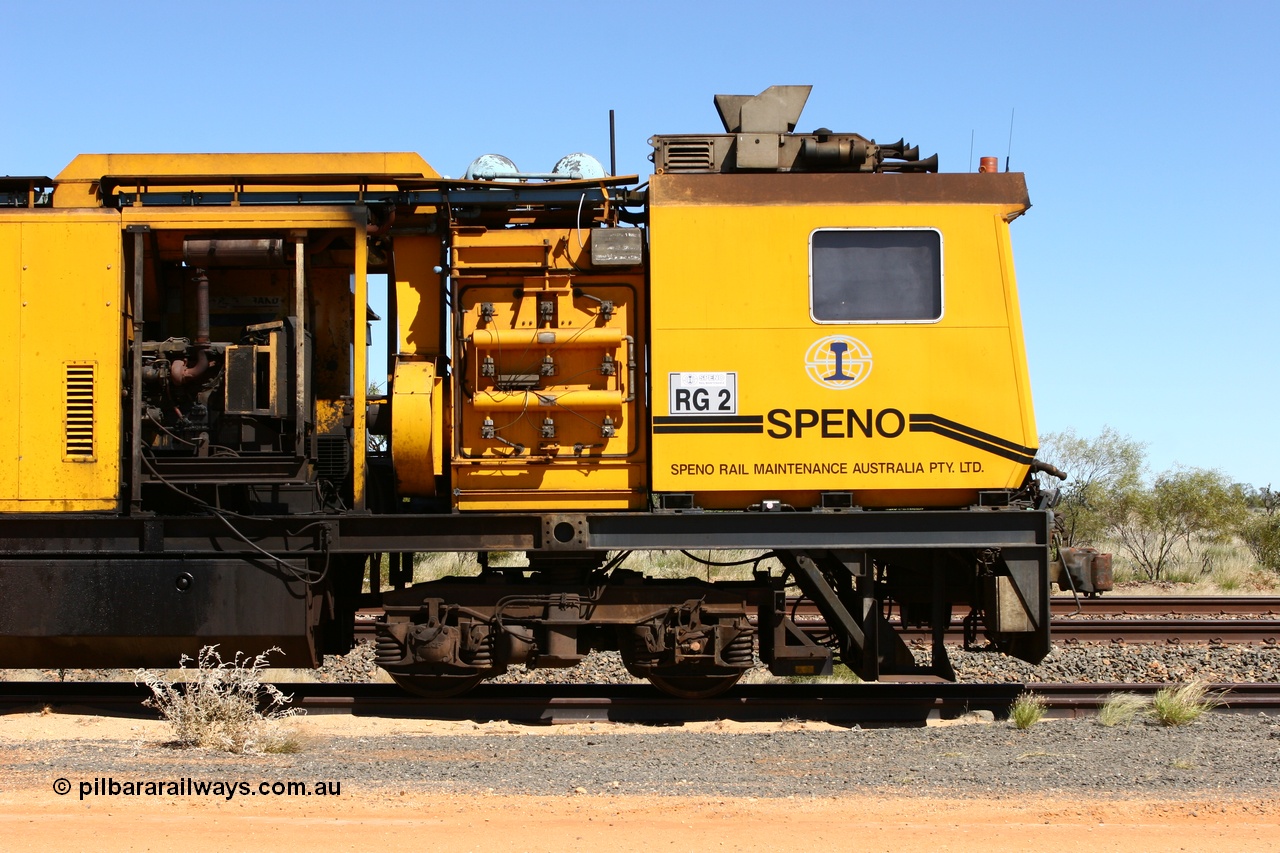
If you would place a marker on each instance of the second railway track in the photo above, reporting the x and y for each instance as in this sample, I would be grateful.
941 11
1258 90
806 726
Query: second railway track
1181 605
1251 620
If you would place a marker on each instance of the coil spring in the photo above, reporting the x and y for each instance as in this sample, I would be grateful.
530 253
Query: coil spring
740 650
386 648
482 653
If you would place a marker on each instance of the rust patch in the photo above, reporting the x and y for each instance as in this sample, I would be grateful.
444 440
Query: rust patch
1005 188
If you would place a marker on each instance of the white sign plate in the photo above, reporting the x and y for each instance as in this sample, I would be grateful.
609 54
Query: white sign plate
703 393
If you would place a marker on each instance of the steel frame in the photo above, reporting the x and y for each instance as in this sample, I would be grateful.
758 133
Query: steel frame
1019 534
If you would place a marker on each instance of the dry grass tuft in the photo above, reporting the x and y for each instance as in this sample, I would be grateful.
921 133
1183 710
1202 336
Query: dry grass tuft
282 741
223 705
1121 709
1027 710
1182 705
1205 568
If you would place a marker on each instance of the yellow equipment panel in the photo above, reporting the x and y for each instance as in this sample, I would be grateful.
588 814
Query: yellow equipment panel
546 377
61 291
771 382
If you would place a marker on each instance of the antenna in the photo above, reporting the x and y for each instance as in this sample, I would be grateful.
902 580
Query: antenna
1009 150
971 132
613 147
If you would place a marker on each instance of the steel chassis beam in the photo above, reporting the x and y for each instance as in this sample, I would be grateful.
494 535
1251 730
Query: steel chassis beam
1021 535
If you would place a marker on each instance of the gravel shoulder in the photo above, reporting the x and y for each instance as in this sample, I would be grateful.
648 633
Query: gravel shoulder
1065 784
1221 755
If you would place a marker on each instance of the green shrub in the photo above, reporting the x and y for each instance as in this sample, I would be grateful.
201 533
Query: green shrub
1261 532
840 674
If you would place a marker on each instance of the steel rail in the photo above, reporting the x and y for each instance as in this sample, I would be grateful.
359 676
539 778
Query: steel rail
1184 605
896 703
1171 631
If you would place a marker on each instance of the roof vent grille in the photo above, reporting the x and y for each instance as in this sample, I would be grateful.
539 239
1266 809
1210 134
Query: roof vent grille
694 155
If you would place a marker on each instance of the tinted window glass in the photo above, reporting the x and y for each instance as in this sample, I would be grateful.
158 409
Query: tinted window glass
878 275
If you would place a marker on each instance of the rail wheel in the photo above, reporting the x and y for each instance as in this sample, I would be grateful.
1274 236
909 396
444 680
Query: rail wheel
690 683
436 685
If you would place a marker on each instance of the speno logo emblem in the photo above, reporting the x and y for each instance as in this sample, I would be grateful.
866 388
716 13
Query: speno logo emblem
838 361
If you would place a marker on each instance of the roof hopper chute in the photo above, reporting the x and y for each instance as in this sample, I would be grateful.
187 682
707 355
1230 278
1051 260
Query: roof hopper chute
775 110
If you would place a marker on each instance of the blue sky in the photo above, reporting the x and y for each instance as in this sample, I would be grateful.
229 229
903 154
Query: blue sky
1147 132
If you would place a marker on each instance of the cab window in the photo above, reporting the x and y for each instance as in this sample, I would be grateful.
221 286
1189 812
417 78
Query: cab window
881 275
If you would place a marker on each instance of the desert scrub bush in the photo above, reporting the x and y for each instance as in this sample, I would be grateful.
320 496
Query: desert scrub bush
1027 710
223 705
1179 705
1261 534
1121 709
707 565
840 674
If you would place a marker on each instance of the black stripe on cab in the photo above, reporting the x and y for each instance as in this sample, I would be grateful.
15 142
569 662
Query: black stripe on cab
671 429
969 431
708 419
972 438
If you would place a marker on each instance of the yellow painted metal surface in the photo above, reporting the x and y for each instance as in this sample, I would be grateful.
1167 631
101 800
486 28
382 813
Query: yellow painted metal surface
538 249
331 354
65 427
414 439
218 218
10 364
360 393
534 486
418 294
565 338
77 183
61 347
930 412
550 402
561 372
1017 343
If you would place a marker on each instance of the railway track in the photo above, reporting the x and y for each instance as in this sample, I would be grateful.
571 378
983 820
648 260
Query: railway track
898 703
1250 620
1212 631
1219 620
1117 619
1183 605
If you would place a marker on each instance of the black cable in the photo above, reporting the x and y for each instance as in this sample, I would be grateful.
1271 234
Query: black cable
750 560
220 514
298 574
171 434
221 510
